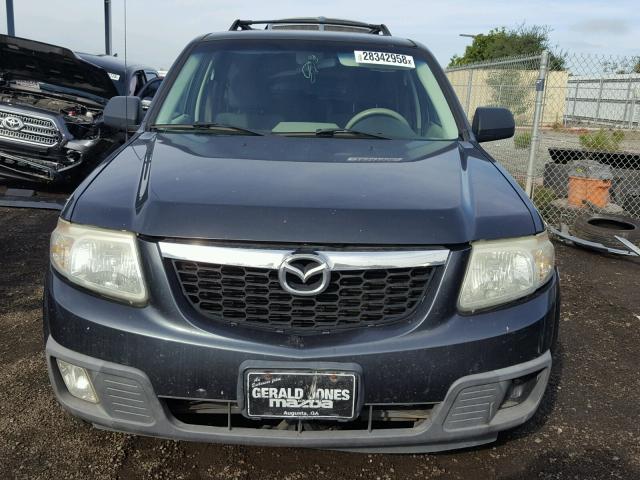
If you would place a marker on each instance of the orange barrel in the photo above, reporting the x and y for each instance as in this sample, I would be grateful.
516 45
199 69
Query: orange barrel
592 190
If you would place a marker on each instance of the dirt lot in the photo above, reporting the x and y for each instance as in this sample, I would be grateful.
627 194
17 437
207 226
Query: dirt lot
588 426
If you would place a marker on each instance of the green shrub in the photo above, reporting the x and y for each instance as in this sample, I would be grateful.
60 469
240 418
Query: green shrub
522 139
602 140
542 197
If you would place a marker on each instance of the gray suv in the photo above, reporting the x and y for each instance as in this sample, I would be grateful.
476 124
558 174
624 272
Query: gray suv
303 244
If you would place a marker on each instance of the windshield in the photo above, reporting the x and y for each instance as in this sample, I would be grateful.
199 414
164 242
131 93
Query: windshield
310 88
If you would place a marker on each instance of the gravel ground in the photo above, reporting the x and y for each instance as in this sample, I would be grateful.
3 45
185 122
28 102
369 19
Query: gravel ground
586 428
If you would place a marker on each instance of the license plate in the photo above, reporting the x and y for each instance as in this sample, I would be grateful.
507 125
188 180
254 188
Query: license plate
301 394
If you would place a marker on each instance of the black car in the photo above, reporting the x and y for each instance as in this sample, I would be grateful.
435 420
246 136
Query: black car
51 103
303 244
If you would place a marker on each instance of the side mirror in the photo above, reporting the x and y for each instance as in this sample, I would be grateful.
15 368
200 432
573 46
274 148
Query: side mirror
492 123
122 113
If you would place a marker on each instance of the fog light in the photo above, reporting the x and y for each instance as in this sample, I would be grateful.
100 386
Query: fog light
77 381
519 390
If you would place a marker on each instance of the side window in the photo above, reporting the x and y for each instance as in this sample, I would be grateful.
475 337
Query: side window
150 89
179 104
148 92
439 120
136 82
426 110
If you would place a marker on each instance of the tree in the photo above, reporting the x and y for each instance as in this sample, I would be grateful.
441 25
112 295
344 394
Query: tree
510 90
622 66
502 42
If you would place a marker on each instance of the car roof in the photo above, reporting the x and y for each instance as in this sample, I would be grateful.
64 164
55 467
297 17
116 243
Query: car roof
112 64
329 36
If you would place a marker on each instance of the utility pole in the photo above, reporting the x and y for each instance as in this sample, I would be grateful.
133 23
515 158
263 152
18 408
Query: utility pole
537 119
107 26
11 28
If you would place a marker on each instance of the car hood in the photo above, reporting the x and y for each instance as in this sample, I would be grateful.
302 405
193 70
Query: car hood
303 190
24 59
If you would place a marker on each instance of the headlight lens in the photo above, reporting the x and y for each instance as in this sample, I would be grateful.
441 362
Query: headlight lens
105 261
504 270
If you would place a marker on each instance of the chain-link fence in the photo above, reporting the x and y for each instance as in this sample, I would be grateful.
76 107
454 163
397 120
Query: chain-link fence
576 150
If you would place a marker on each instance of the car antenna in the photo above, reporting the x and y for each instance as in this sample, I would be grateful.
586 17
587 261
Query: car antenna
126 80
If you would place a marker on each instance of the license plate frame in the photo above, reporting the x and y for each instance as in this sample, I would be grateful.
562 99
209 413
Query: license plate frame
291 404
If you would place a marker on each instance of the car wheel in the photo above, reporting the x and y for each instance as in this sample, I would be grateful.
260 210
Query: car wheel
604 228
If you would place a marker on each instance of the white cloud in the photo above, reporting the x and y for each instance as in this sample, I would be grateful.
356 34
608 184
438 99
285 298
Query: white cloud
611 26
158 30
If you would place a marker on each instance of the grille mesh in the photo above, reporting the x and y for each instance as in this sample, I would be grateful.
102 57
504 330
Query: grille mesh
38 131
253 297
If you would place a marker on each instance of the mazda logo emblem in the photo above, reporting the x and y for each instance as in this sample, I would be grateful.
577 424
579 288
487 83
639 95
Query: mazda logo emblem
12 123
304 274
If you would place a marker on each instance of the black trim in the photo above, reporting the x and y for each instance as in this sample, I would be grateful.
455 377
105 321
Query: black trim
374 29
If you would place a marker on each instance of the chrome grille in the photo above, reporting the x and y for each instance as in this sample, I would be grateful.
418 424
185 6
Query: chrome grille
254 297
35 130
243 286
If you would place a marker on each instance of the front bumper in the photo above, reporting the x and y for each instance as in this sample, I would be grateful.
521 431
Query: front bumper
469 415
160 351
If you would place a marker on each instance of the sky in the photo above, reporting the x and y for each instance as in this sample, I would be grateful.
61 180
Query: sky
157 30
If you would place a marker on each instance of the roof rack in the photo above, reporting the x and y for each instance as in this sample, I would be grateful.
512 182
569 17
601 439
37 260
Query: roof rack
320 21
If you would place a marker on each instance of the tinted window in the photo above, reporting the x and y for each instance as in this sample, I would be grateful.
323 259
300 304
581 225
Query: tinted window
296 87
150 89
136 82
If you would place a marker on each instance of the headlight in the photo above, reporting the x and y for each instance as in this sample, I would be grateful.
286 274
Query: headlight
503 270
105 261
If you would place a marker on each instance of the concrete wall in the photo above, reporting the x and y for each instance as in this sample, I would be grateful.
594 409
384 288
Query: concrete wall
511 88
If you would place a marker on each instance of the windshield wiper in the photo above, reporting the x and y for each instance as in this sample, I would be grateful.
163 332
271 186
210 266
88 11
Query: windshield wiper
332 132
209 126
